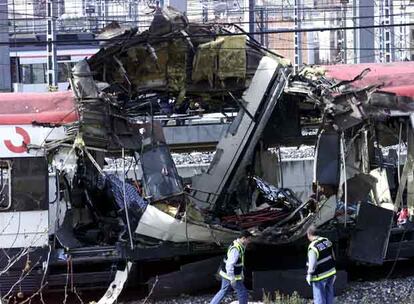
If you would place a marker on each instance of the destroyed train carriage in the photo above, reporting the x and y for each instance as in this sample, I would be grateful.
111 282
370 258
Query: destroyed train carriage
61 210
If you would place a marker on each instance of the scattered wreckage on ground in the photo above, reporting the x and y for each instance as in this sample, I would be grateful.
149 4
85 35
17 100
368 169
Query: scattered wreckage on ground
63 213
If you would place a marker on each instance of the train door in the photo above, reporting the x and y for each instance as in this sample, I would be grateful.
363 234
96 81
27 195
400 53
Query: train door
23 223
24 215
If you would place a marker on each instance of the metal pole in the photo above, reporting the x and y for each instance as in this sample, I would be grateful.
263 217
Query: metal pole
262 36
298 35
399 154
344 38
345 177
205 11
252 16
125 203
280 168
51 46
405 30
355 12
5 75
402 36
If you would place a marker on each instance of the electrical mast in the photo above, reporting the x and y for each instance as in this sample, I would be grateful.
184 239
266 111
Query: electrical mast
51 46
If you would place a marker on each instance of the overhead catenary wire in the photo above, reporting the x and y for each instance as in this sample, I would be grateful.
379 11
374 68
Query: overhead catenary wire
269 9
241 9
197 13
117 18
212 35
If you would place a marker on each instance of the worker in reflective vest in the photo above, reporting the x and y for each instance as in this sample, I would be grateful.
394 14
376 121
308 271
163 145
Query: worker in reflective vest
321 267
231 270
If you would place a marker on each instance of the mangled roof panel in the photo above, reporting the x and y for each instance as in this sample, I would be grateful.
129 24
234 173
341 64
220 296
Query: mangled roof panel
42 108
177 57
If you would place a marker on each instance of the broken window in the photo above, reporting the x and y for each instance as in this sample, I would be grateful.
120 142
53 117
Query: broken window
160 174
327 158
5 189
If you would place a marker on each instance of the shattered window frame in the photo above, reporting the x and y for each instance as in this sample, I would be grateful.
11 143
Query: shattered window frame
160 176
28 180
5 193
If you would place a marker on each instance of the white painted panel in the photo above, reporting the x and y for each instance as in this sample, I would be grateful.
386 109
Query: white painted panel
157 224
23 229
234 155
27 57
117 285
298 176
382 187
326 212
14 135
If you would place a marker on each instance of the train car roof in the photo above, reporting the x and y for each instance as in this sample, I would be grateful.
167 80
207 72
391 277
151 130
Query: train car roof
396 78
41 108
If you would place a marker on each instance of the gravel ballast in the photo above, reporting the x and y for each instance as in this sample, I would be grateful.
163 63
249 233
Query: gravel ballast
394 291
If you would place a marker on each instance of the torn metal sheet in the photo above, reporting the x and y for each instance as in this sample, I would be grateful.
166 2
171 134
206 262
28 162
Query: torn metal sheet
224 58
190 279
83 83
112 30
381 188
326 212
116 286
274 194
359 187
177 57
370 238
408 167
227 168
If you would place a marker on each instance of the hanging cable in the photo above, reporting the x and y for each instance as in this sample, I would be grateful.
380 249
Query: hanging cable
345 177
125 202
399 154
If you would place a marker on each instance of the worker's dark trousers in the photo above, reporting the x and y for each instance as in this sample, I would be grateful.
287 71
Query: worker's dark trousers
240 289
323 291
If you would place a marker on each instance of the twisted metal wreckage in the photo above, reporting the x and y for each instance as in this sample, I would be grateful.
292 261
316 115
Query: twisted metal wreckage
62 212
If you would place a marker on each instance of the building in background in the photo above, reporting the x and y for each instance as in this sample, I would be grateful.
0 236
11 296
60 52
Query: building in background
360 43
5 81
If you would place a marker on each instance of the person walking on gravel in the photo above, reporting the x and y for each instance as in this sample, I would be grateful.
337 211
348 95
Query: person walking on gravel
231 271
321 267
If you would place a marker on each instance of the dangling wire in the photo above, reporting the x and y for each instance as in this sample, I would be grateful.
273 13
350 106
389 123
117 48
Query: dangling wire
399 154
345 177
125 203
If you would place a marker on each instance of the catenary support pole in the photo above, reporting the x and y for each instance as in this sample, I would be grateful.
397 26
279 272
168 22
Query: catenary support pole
344 37
298 35
51 46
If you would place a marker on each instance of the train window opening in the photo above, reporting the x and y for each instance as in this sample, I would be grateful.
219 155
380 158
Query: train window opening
5 187
33 73
30 184
14 69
